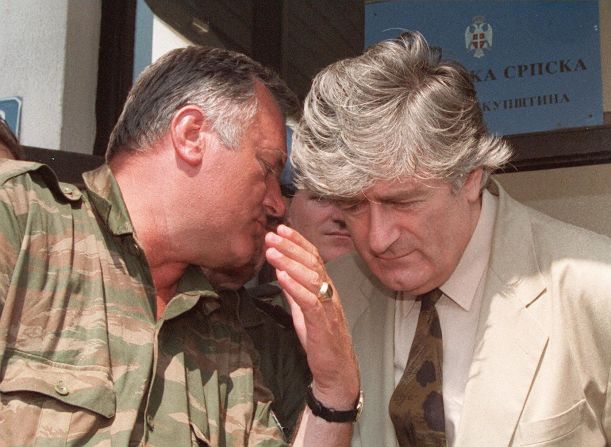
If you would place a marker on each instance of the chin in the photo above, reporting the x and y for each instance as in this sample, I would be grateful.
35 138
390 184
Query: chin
402 279
248 251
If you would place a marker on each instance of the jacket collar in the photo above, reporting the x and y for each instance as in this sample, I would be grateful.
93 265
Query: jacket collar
106 198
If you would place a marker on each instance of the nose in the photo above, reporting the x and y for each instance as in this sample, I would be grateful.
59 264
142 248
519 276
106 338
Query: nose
336 216
382 231
273 202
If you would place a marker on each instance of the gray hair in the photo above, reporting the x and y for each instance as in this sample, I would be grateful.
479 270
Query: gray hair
219 81
396 111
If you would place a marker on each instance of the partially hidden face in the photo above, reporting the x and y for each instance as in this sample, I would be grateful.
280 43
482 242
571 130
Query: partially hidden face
412 233
242 189
321 222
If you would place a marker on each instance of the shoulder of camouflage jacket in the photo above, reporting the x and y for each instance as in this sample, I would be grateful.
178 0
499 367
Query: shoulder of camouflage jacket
11 169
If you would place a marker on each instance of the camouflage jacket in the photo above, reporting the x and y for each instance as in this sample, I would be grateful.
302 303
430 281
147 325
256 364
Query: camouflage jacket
83 360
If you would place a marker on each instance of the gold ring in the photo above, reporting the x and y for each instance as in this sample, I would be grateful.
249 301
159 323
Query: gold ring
325 292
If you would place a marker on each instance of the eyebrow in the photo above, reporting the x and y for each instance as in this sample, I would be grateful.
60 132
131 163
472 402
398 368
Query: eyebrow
282 161
399 196
279 162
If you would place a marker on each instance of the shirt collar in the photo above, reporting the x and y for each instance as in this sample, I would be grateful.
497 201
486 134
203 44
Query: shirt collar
105 195
463 283
193 288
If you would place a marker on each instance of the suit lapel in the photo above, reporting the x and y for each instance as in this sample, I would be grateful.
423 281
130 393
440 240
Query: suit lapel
376 356
509 341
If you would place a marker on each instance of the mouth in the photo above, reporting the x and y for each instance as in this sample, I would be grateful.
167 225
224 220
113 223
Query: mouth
271 223
261 226
340 234
392 258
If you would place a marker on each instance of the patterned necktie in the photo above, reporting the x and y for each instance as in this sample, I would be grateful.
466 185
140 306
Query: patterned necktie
416 406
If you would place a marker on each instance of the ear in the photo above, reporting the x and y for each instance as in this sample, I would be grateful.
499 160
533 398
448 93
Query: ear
188 129
472 188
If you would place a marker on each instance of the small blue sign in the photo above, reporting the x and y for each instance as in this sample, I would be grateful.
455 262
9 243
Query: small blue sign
536 63
10 111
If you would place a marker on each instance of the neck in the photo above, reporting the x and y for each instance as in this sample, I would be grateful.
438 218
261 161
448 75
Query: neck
146 208
165 279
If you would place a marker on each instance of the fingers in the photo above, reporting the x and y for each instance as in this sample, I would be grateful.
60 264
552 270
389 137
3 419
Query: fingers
291 253
300 271
294 245
296 291
308 278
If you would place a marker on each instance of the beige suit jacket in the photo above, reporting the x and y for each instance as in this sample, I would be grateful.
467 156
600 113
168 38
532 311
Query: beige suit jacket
540 373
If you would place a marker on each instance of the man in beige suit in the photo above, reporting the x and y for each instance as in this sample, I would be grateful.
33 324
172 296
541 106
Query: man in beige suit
397 139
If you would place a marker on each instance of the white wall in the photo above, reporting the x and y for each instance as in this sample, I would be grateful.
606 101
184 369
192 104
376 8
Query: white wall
49 55
579 195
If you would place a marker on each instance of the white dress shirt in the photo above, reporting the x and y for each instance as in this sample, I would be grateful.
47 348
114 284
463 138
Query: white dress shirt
458 311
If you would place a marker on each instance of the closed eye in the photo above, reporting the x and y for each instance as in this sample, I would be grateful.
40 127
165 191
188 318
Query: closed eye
353 207
404 204
268 169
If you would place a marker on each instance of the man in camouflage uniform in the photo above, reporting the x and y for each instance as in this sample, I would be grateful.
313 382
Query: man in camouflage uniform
110 334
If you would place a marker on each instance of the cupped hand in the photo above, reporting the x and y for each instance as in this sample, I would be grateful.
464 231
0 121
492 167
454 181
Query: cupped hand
321 326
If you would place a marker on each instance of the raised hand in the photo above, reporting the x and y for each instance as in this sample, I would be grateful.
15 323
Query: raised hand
318 318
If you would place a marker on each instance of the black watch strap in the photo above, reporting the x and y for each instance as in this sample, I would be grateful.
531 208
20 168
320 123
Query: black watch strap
330 414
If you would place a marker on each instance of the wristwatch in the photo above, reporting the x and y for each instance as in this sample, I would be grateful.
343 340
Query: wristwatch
330 414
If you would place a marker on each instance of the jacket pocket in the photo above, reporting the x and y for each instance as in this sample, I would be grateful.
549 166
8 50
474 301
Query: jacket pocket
88 387
43 399
559 430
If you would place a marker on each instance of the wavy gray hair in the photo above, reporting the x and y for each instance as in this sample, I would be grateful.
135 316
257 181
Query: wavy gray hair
396 111
220 82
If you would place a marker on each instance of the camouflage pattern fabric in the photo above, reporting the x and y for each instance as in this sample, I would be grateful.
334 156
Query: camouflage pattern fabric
83 360
282 360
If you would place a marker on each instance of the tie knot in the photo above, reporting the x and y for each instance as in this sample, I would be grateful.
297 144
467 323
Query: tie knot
429 299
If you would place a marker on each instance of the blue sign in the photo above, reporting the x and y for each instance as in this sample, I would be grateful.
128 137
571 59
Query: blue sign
10 111
536 63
